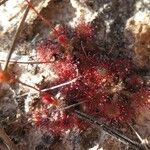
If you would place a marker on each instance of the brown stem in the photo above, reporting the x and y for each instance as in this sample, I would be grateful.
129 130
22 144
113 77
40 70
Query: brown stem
70 106
41 17
7 140
27 85
3 2
15 38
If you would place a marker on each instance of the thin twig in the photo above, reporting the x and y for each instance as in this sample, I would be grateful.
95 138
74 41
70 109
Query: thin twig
109 130
16 37
28 85
70 106
41 17
7 140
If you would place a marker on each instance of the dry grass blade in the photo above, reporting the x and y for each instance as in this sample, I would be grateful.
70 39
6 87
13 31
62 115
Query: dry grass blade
15 38
7 140
60 85
26 62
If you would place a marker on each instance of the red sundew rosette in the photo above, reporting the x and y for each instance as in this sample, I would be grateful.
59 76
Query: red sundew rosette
54 46
84 30
73 93
48 119
97 76
116 112
54 123
46 51
60 33
121 67
111 111
134 82
65 69
141 99
68 122
85 62
63 123
93 102
78 92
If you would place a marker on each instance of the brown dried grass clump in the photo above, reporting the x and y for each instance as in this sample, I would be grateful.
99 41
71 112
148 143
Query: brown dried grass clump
141 33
